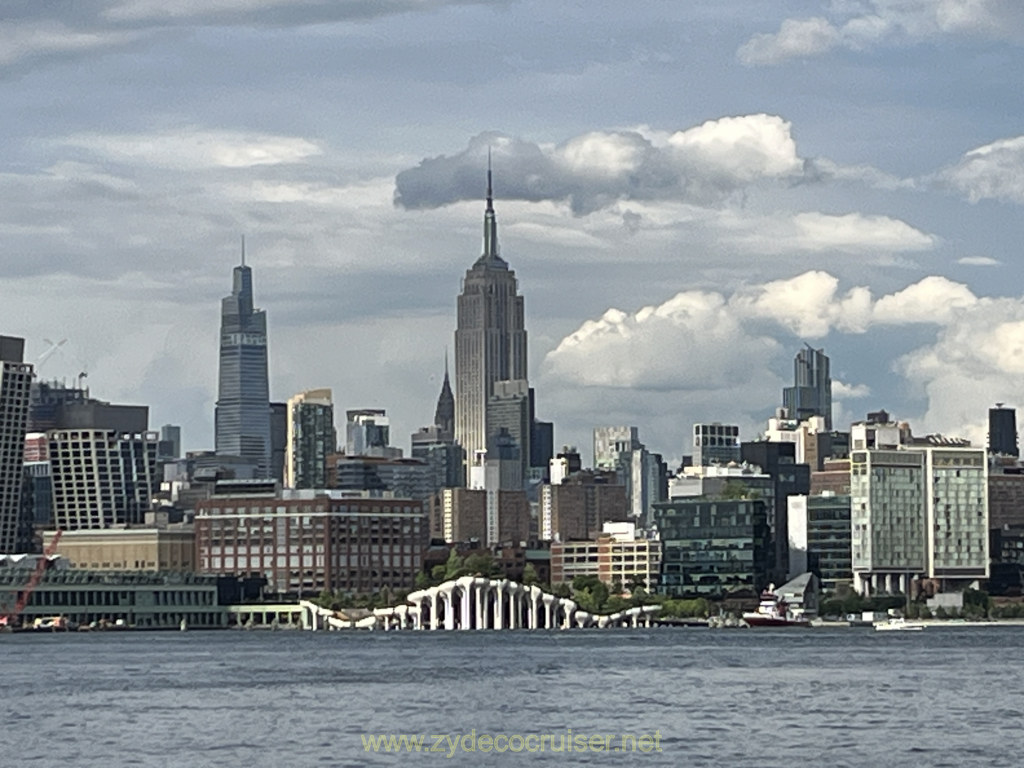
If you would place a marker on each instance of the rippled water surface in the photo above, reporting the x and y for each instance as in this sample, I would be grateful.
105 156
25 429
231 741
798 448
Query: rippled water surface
846 697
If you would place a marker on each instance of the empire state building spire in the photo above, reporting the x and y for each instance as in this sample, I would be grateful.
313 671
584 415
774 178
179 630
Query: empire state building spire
490 254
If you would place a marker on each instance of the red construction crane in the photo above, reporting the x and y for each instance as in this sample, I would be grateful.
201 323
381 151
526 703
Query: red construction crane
33 581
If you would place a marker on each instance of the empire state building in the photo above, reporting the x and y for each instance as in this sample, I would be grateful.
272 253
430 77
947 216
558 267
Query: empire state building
490 340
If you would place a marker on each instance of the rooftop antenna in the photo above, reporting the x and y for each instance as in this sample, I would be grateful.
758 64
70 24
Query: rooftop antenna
243 250
490 195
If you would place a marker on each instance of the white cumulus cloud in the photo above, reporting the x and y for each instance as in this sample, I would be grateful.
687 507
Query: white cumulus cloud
862 26
994 171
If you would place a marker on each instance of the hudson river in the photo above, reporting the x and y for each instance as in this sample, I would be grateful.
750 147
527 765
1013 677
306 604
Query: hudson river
659 697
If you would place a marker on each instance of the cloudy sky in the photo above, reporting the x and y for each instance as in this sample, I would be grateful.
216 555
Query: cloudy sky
688 193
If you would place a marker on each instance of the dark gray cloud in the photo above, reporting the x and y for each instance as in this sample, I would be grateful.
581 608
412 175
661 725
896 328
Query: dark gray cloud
703 165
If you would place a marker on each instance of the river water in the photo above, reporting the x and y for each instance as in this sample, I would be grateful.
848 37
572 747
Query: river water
658 697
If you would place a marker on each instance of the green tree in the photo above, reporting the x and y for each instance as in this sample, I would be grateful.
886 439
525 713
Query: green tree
479 564
530 577
590 593
735 489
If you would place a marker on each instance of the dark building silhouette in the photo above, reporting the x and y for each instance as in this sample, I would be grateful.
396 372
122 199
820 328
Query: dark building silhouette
444 414
788 479
1002 431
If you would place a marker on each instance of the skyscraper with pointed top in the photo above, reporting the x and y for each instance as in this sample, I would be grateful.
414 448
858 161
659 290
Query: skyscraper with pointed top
242 414
490 337
444 415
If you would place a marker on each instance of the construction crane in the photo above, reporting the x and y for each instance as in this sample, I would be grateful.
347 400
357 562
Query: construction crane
50 350
33 582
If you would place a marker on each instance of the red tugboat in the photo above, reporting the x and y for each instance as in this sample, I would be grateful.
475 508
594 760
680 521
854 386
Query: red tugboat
774 611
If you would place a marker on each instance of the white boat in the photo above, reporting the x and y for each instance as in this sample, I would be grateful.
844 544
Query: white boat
898 625
773 611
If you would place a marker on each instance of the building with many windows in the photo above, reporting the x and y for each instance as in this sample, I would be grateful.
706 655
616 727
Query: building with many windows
15 382
957 521
311 439
490 338
715 444
102 478
618 557
579 506
820 538
713 548
887 515
467 514
306 542
920 511
381 477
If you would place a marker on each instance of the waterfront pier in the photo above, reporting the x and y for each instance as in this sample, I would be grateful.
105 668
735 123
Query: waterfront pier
477 603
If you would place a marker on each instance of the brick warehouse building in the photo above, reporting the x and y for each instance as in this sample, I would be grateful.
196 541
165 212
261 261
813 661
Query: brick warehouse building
303 546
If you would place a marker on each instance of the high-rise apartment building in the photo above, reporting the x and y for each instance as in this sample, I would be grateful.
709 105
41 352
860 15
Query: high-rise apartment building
15 380
102 477
242 415
811 393
311 439
490 338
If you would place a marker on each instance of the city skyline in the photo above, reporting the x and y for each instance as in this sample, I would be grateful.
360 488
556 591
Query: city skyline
837 174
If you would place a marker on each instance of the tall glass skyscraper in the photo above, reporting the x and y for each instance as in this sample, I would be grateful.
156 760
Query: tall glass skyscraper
811 393
242 415
490 338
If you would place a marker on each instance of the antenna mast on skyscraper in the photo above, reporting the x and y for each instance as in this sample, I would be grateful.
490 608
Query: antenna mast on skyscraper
243 250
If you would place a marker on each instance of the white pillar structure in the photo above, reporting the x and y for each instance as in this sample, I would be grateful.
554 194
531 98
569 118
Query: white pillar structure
480 593
465 618
434 605
534 609
548 602
448 597
499 621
